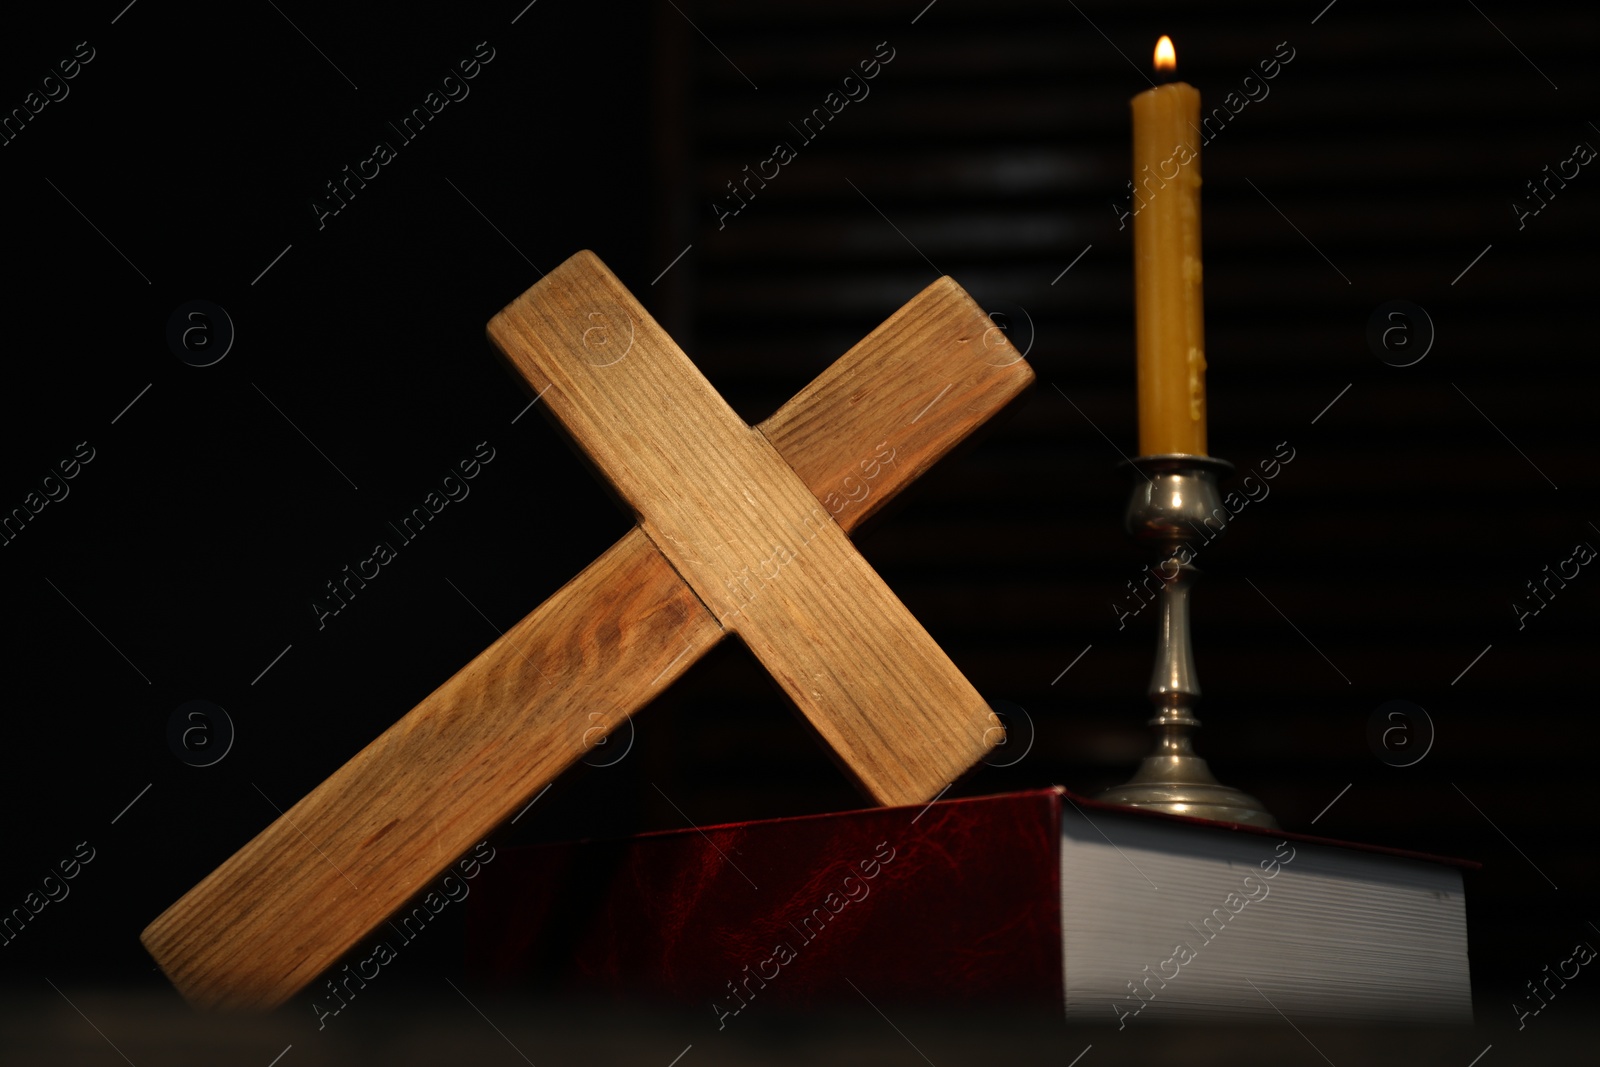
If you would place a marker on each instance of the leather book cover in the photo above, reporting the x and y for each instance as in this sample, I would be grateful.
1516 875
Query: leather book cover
955 902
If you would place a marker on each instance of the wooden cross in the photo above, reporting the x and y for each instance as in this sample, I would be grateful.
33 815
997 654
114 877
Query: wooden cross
740 530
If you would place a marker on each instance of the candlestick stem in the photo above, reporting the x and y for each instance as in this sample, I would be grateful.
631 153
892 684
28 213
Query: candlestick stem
1176 501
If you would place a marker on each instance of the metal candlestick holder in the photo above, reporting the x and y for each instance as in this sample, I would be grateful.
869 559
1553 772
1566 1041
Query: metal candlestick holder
1172 500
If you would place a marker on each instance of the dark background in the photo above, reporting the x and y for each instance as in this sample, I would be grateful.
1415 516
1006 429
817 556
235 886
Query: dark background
1383 165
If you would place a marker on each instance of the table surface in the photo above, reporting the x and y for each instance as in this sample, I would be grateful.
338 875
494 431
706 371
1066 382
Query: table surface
441 1023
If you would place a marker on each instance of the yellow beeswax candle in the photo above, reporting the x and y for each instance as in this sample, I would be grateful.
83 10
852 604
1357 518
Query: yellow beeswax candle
1169 315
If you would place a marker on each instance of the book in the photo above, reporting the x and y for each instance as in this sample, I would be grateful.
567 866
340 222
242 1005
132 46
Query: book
1115 914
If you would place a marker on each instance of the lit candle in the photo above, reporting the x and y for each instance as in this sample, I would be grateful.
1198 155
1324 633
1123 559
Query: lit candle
1170 323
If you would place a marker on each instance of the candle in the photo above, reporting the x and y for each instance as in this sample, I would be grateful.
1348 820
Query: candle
1170 324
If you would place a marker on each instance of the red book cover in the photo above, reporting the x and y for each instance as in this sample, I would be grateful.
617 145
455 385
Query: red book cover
783 908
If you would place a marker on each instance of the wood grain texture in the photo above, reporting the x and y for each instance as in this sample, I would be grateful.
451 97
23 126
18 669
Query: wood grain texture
898 402
748 536
321 877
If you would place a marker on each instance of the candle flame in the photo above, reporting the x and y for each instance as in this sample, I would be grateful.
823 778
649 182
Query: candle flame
1166 55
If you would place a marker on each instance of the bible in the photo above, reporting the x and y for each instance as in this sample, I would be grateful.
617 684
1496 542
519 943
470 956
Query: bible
1115 914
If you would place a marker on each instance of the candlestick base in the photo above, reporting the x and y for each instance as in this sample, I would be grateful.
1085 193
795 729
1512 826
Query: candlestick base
1174 493
1185 786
